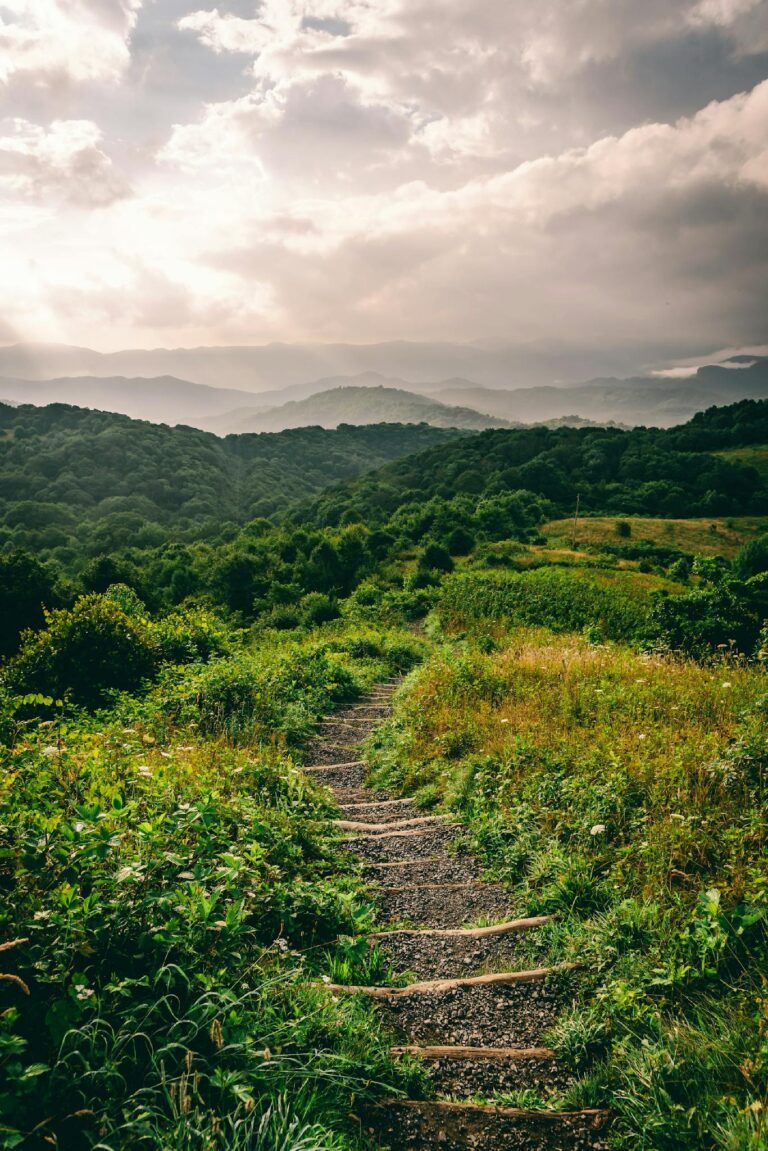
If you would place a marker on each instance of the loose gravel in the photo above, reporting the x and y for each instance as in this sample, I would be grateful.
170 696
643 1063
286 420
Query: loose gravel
414 878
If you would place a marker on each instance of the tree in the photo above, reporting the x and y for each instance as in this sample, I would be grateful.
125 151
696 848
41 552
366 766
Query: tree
753 558
27 587
435 558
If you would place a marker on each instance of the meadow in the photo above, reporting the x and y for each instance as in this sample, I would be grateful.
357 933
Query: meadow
625 793
172 888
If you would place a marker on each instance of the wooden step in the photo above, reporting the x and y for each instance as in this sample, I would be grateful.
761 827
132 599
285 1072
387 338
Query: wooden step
422 1125
334 766
519 1053
474 885
470 932
432 986
393 825
405 834
377 803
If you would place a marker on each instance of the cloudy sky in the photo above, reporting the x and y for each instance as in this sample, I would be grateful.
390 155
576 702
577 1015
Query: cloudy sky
572 172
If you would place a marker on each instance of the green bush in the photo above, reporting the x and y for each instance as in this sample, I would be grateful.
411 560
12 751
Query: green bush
108 643
705 619
87 652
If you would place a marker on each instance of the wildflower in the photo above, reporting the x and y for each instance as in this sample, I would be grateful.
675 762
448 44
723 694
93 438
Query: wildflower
727 684
144 770
598 829
50 750
641 736
85 992
503 721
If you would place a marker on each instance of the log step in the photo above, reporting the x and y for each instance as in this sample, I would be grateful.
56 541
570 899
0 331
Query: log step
520 1053
471 932
378 803
333 766
432 986
417 1124
394 825
403 834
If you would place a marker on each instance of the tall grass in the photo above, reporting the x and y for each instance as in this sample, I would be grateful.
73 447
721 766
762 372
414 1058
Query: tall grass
626 794
564 601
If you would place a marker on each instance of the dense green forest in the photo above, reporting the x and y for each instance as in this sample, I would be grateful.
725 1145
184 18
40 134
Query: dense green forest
75 482
588 707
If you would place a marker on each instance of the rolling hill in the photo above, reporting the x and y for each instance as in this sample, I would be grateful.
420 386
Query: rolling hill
100 481
179 397
657 401
353 405
161 399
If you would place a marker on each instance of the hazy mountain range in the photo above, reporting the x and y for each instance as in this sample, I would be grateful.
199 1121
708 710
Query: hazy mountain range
370 396
270 367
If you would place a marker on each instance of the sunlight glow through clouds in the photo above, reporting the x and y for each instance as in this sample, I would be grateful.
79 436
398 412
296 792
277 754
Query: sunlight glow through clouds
378 169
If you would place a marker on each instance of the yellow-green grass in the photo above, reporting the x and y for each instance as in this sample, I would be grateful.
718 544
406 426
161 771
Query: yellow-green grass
659 728
696 536
755 456
624 794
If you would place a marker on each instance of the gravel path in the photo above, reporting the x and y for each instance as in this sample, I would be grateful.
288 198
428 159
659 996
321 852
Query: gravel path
425 878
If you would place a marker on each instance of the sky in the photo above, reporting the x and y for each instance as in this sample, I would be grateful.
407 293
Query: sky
516 172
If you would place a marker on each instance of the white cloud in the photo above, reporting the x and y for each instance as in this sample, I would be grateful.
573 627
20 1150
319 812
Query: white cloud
61 162
721 12
383 168
83 40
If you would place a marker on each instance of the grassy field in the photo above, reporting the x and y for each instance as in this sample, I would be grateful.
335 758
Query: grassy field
755 456
625 793
694 536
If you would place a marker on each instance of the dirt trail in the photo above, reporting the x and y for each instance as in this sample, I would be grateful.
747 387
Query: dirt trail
478 1039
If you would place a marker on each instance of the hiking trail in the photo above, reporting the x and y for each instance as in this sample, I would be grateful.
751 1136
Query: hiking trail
471 1013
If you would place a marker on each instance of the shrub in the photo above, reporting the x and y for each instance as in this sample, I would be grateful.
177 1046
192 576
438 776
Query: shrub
753 558
459 542
705 619
435 558
87 651
317 608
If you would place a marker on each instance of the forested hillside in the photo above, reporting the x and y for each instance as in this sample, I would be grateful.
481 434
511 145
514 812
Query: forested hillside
75 480
645 471
351 405
202 946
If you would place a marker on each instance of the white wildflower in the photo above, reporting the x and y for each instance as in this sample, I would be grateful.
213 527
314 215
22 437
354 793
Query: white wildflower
597 829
